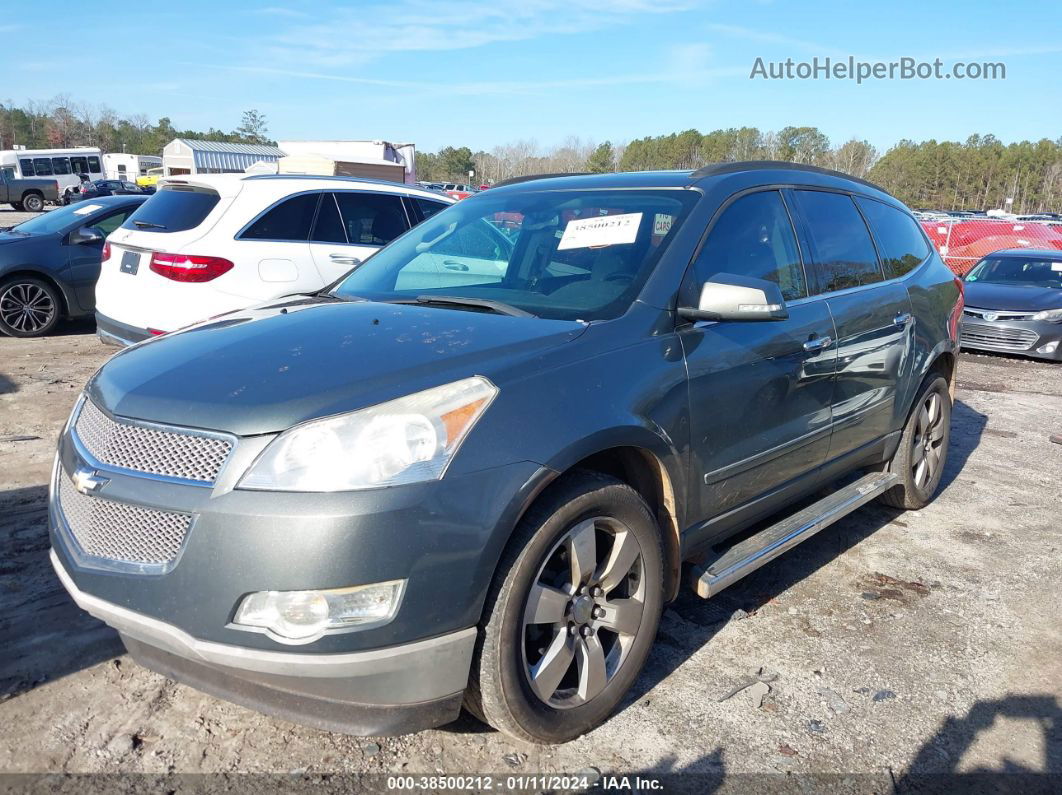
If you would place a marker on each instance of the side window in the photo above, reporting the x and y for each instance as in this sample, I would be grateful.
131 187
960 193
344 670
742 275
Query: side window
61 165
329 226
289 221
94 165
9 172
844 254
903 246
428 208
754 237
42 166
111 222
79 165
121 169
476 240
26 166
371 219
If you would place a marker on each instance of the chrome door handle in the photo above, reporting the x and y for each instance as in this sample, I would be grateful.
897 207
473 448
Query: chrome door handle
449 264
343 259
902 319
818 344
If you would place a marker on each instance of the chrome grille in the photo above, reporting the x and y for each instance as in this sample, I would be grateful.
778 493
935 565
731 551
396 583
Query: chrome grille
151 450
1000 338
997 314
117 531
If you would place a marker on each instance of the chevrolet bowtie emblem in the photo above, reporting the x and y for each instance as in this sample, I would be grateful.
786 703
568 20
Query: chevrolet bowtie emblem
86 481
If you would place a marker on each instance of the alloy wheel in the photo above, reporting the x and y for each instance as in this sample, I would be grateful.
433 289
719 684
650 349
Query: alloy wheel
583 612
26 307
927 447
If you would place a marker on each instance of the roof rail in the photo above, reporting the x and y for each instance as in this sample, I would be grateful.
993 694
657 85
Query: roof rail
529 177
758 165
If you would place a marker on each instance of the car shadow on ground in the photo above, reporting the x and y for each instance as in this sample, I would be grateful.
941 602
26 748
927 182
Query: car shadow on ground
936 767
43 634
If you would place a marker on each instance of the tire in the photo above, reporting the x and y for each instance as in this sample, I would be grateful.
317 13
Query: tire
923 450
580 674
18 207
33 202
45 307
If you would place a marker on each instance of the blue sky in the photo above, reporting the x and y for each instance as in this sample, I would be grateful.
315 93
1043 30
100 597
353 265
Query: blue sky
486 73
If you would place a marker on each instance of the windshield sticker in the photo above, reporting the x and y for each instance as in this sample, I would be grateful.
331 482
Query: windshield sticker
662 224
604 230
1056 266
90 208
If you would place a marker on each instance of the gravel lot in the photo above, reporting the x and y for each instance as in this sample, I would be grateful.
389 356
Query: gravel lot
924 642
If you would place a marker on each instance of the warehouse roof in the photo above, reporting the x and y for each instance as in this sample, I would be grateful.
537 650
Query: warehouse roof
223 156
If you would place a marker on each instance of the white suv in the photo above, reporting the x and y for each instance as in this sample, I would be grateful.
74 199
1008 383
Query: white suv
209 244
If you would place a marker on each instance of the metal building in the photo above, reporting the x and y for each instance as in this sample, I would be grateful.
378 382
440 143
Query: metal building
192 156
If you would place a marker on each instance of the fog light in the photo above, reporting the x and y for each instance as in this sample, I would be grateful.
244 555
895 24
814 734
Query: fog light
1050 347
300 616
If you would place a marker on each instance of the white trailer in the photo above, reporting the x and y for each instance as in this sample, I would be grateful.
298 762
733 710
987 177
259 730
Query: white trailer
127 167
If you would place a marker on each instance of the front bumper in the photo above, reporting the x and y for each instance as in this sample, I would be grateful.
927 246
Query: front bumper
1019 337
393 690
111 332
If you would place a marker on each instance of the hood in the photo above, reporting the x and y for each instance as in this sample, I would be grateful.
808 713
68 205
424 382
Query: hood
985 295
266 369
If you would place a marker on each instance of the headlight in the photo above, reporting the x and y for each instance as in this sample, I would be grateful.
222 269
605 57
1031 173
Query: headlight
407 440
1050 315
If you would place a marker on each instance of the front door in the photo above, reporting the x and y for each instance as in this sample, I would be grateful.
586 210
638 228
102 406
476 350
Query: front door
759 391
83 260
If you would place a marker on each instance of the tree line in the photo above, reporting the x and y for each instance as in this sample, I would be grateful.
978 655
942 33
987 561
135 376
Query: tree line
61 123
979 173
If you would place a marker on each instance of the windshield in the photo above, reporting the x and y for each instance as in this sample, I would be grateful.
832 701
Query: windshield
564 255
1018 271
57 220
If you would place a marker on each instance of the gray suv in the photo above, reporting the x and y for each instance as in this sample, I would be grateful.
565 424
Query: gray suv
474 470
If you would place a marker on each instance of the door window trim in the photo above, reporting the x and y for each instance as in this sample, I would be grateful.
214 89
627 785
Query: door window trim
321 192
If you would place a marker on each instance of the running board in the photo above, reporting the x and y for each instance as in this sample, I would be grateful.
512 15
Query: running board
745 557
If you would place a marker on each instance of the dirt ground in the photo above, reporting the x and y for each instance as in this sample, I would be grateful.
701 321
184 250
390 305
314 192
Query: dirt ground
895 644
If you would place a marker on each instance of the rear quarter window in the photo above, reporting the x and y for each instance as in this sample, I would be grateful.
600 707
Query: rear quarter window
173 210
903 246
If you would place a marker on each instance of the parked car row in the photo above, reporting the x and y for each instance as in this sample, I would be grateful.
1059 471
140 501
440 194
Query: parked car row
462 453
207 244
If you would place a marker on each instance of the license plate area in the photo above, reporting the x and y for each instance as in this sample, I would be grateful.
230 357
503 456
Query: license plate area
130 262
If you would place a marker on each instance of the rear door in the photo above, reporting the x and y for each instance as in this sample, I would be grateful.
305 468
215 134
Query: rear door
353 227
872 317
273 251
759 392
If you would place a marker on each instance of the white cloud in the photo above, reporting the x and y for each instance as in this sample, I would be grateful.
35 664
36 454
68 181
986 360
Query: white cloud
351 36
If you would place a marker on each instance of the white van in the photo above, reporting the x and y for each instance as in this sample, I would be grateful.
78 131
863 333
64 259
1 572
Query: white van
62 165
208 244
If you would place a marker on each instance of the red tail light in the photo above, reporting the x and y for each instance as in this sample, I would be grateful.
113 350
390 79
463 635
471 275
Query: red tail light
185 268
106 251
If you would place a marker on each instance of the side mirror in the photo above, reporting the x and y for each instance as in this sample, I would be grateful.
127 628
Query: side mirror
727 296
85 236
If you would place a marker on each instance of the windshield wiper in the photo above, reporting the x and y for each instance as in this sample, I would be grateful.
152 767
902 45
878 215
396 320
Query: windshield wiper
148 225
497 307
